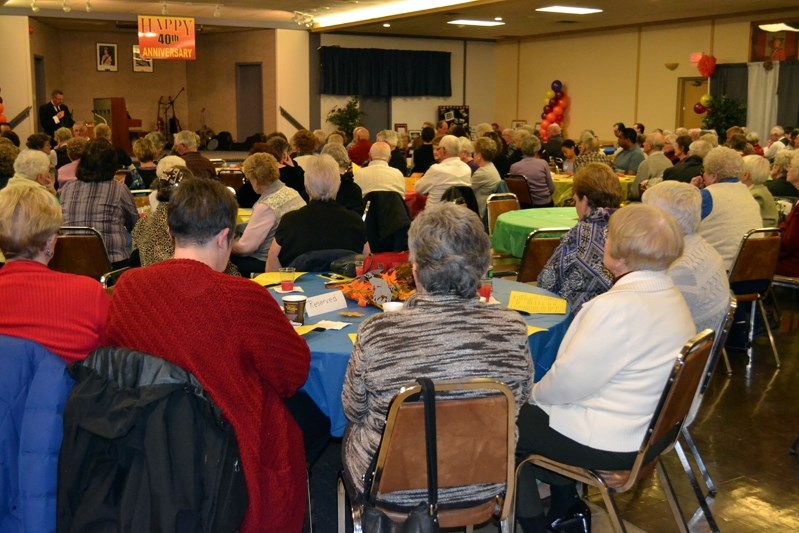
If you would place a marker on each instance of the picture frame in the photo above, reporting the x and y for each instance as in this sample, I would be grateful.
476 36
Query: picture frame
106 57
773 46
401 127
414 134
518 123
139 63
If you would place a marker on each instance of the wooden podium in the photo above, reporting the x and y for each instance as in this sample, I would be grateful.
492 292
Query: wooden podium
115 113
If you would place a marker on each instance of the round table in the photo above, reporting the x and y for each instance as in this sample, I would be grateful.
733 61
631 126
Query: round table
564 187
512 228
331 349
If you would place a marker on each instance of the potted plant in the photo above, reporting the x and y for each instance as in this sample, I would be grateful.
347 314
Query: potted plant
723 113
348 117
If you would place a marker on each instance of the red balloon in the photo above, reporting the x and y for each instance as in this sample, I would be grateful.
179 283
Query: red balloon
551 117
564 102
544 125
553 102
3 118
559 119
543 116
699 108
559 95
547 108
558 109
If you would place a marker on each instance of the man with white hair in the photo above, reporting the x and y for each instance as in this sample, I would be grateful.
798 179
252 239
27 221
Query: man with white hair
379 176
32 168
450 172
551 148
691 166
186 147
398 159
650 172
777 140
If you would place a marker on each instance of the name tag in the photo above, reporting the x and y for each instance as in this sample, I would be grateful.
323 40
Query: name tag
325 303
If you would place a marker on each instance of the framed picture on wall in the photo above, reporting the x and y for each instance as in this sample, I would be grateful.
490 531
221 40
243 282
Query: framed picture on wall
518 123
773 45
140 64
106 57
415 133
401 127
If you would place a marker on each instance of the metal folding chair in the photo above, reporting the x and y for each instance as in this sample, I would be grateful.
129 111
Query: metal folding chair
661 435
540 246
80 250
517 184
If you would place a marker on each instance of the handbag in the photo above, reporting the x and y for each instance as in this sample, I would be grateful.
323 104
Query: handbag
424 517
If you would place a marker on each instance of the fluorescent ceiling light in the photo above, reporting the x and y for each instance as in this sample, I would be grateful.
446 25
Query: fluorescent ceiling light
389 9
777 27
569 10
467 22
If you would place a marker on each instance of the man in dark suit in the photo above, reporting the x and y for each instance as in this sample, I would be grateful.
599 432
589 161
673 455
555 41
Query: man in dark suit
54 114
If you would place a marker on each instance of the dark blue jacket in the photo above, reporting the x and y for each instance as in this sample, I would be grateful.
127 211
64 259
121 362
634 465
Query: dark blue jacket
34 386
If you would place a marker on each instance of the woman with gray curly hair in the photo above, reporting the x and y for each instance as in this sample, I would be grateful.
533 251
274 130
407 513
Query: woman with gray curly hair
250 251
756 170
349 193
779 185
440 333
728 210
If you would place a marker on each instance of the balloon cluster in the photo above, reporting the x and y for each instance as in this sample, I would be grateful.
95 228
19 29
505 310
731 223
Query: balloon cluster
555 104
704 103
2 116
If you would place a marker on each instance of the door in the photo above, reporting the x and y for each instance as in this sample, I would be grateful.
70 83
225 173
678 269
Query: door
249 100
41 87
377 114
689 91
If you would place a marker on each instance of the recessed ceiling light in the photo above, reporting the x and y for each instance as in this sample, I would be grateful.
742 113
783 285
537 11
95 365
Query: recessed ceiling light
386 25
497 18
569 10
383 10
467 22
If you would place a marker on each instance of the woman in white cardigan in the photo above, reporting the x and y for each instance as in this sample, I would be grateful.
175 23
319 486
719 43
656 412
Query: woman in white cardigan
593 406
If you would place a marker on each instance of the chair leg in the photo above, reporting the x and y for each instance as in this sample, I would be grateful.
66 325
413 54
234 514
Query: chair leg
310 507
697 490
751 336
342 502
726 360
613 511
768 330
672 498
689 440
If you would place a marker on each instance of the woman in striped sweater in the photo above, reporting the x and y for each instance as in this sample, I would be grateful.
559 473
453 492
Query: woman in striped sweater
443 333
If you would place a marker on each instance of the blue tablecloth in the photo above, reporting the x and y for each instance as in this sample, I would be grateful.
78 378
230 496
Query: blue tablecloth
330 350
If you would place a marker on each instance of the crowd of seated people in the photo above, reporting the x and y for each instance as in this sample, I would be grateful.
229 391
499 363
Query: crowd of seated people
618 265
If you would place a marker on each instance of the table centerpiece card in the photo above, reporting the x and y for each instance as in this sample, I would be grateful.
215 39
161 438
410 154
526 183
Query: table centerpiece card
536 304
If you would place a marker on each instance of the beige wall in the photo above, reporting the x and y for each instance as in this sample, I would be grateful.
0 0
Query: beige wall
211 79
292 80
612 76
15 71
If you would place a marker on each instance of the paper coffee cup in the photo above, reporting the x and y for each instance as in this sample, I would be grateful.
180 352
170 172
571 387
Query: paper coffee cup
294 307
391 307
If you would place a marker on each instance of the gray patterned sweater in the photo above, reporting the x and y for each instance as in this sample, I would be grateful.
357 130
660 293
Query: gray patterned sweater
444 338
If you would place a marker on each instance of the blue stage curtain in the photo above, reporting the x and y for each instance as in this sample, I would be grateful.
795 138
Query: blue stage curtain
788 94
384 73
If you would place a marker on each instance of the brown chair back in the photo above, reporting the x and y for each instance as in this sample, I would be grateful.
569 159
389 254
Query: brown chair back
80 250
497 204
231 178
540 246
475 439
517 184
757 256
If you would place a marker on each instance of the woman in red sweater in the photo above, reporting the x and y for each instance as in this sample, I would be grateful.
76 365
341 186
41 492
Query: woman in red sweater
64 313
231 334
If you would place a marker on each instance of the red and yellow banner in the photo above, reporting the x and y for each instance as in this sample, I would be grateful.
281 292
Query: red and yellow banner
166 37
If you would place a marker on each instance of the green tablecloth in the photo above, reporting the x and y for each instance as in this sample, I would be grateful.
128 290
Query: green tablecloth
512 228
564 188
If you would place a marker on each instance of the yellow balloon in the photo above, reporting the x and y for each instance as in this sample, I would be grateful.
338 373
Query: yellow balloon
550 94
706 100
546 100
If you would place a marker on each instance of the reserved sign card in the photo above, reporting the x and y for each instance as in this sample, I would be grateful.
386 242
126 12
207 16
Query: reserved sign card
536 304
325 303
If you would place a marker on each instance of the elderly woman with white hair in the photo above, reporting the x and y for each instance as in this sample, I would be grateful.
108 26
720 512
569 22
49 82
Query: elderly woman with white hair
32 167
486 179
536 172
276 199
699 272
323 224
440 333
165 164
728 210
593 407
756 170
779 184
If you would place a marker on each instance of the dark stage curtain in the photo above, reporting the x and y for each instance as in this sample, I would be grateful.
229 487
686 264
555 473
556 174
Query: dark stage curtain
385 73
788 94
731 80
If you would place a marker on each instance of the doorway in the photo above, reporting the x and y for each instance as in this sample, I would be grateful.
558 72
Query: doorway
377 113
41 86
689 91
249 100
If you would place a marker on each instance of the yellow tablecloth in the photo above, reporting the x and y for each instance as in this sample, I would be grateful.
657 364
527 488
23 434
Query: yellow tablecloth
243 215
564 188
